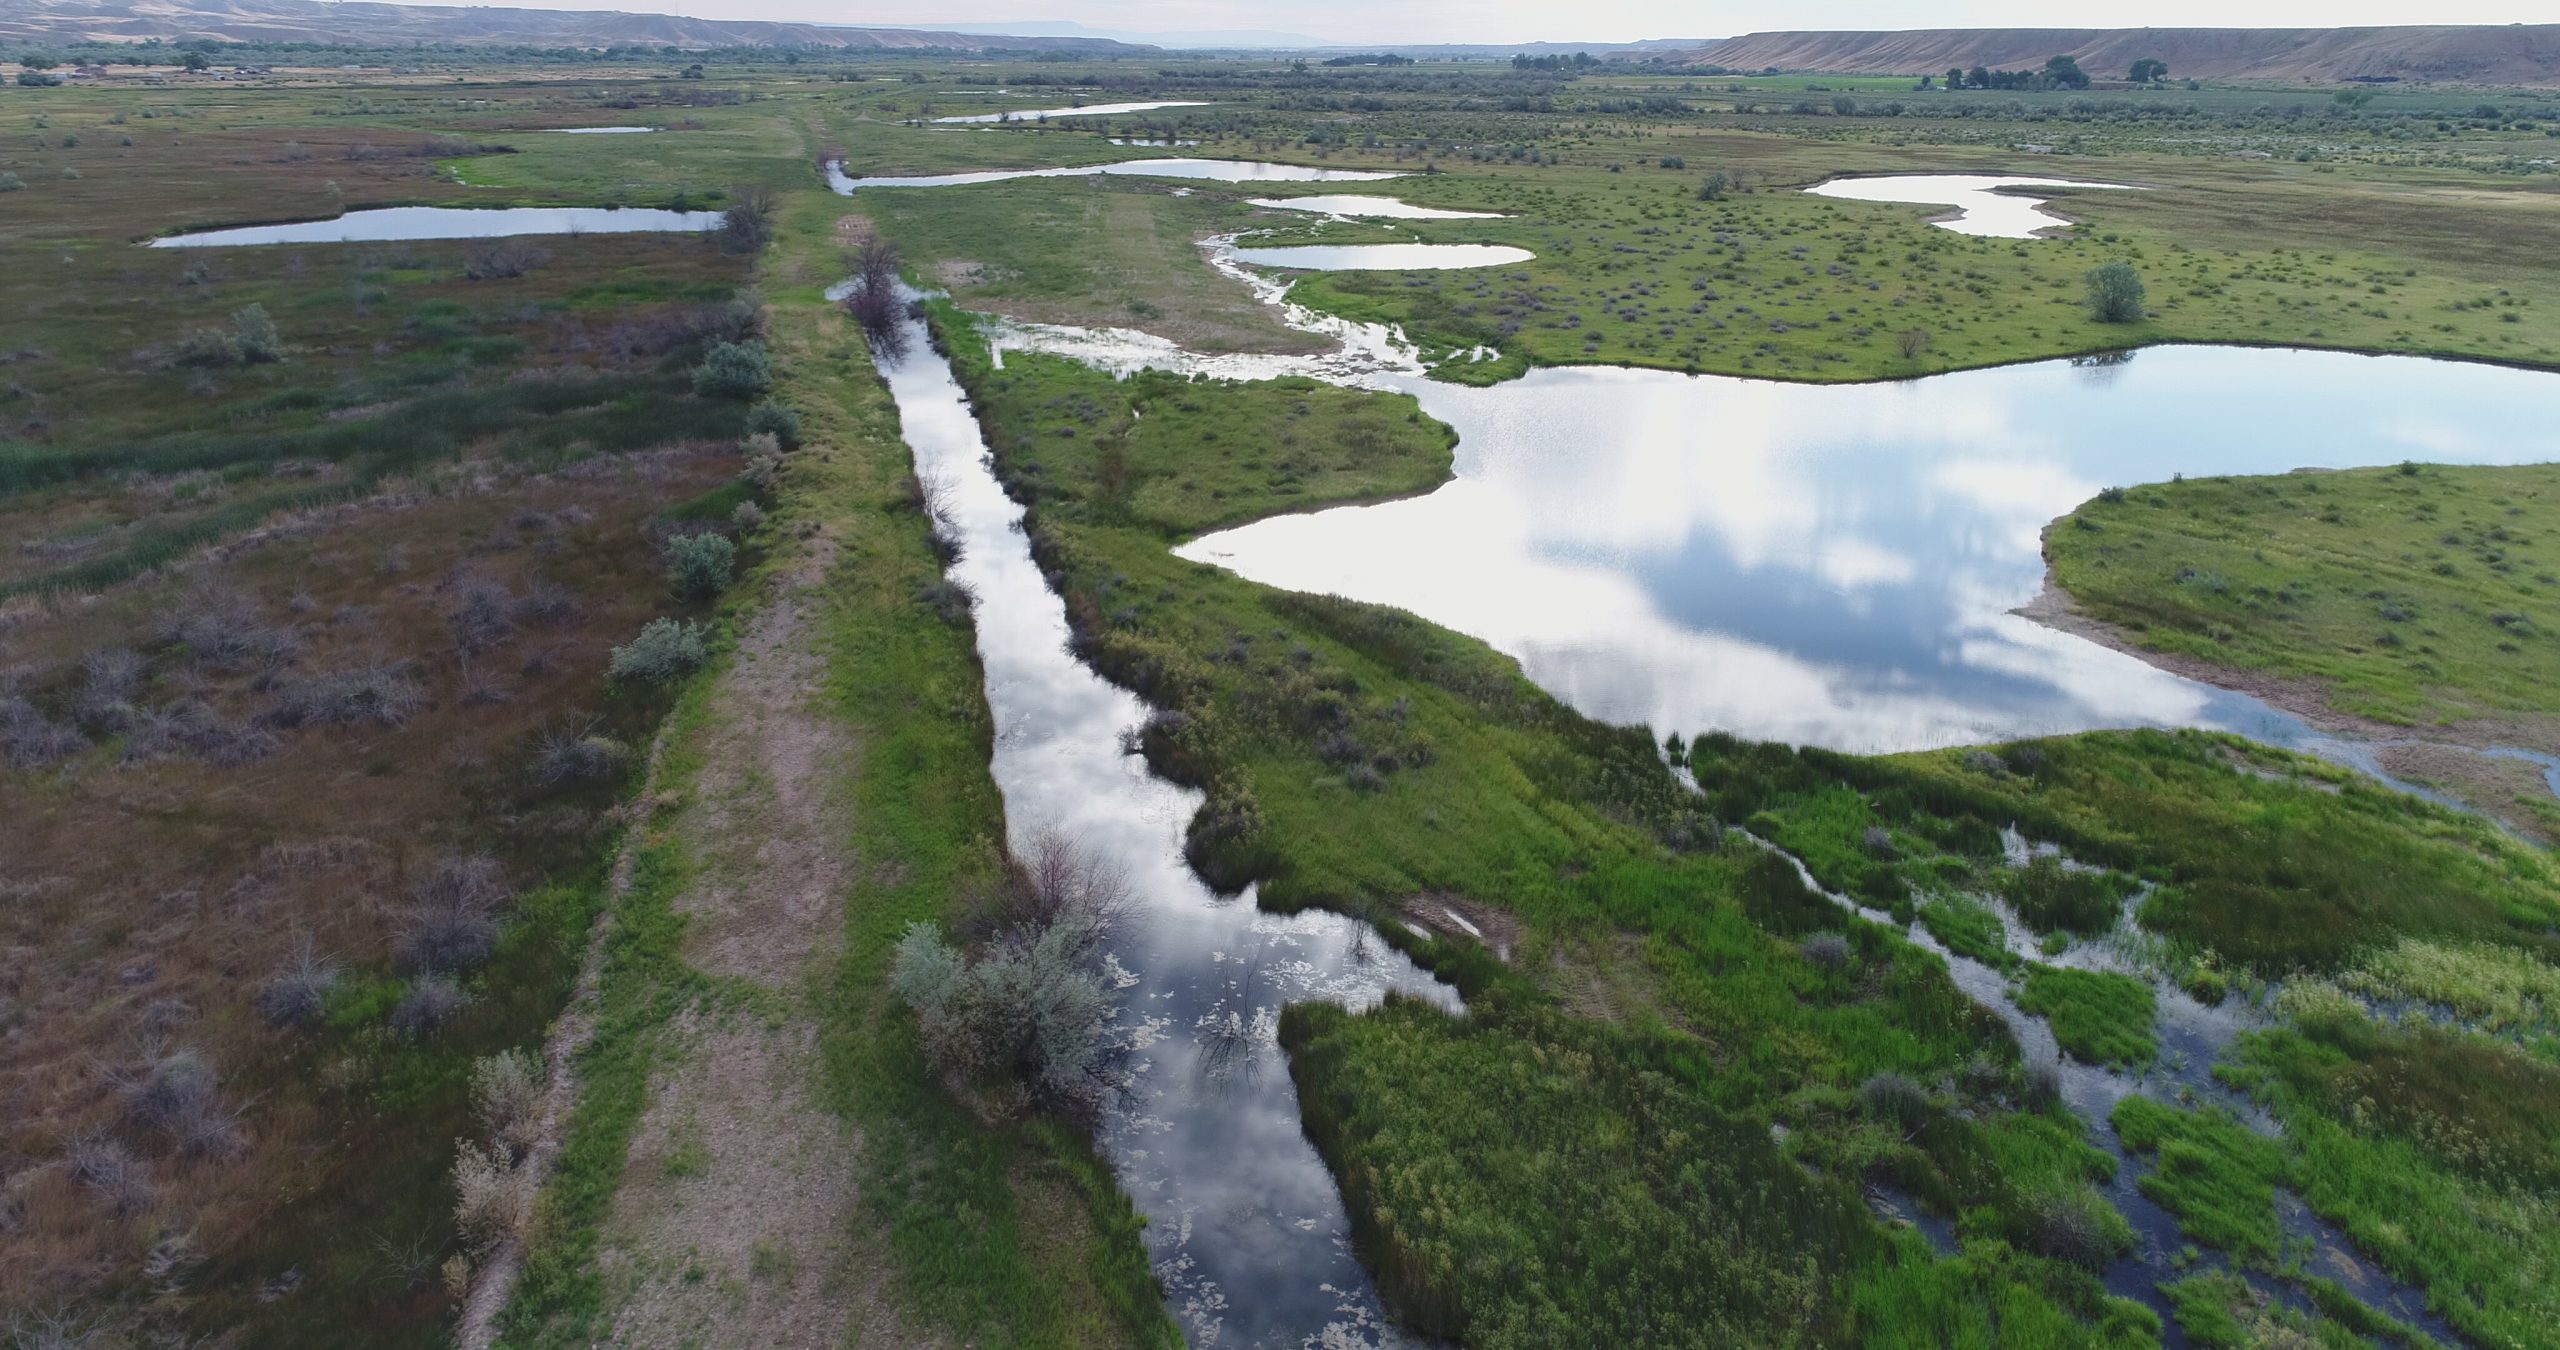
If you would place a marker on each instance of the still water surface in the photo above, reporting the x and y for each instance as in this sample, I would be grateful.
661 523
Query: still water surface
1089 110
1384 257
1244 1225
403 223
1836 565
1206 170
1979 209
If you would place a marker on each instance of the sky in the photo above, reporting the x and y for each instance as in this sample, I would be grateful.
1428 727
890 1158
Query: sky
1358 21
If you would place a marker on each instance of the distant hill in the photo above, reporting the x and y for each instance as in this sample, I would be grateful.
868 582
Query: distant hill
2521 54
362 24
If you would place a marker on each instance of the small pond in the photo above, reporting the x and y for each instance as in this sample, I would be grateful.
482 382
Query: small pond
1838 565
602 131
1207 170
1384 257
1981 209
1088 110
1381 208
403 223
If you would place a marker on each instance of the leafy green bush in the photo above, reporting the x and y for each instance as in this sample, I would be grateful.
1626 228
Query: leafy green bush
733 370
699 565
666 650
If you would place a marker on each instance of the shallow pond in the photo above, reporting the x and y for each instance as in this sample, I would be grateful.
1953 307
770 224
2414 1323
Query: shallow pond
404 223
1208 170
1088 110
1381 208
1245 1226
1384 257
1837 565
1980 209
601 131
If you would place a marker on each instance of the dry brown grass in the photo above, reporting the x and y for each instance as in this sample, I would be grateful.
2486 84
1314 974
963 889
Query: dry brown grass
158 899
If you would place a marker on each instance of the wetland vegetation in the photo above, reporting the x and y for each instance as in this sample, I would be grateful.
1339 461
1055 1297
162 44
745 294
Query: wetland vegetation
408 642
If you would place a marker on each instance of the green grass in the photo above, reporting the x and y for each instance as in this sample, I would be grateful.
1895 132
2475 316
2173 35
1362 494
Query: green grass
2422 595
2099 1017
1555 1192
2262 860
2211 1171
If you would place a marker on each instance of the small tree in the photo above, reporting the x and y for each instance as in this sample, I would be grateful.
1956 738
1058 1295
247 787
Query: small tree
747 226
1911 343
874 301
699 565
2115 293
194 63
733 370
1714 186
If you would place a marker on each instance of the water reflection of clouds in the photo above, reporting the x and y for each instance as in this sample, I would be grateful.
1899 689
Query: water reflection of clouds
1835 565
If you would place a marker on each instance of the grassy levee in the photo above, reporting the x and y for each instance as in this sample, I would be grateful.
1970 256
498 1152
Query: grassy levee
2415 596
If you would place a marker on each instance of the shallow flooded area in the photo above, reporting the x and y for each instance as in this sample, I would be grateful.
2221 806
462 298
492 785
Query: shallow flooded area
395 223
1982 208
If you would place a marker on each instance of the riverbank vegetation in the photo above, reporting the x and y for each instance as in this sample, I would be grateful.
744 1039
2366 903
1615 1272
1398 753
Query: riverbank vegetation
2416 598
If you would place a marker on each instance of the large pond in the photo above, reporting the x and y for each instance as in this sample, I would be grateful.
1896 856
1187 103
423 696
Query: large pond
403 223
1244 1225
1206 170
1041 114
1985 204
1836 565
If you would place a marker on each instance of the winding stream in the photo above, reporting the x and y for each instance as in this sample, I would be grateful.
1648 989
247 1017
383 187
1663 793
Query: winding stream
1244 1224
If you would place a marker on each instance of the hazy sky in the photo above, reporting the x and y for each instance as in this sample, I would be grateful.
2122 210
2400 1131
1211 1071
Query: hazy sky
1354 21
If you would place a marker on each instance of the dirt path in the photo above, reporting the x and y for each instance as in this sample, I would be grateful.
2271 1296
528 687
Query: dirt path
735 1222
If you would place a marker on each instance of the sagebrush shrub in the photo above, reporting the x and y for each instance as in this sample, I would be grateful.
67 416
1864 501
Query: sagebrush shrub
699 565
775 418
664 651
431 1001
733 370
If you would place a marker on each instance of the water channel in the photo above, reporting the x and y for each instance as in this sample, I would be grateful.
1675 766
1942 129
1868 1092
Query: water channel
1245 1226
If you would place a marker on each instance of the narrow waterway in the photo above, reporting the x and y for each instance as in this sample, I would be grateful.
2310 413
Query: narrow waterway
1244 1224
